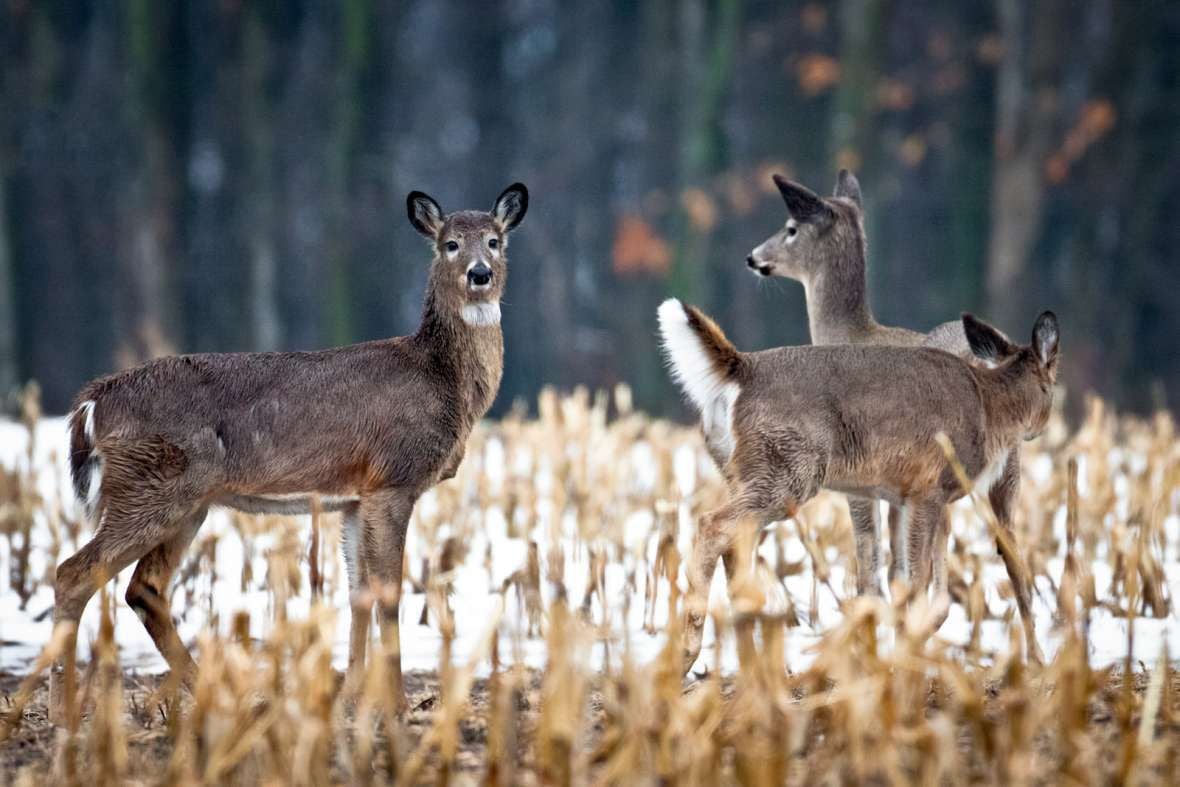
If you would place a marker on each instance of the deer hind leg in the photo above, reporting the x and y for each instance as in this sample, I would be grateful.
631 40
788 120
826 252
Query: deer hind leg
714 538
78 578
385 517
868 545
772 474
149 594
1002 497
897 550
146 496
118 543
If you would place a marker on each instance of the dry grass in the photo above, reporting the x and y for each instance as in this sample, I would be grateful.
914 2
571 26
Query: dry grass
914 711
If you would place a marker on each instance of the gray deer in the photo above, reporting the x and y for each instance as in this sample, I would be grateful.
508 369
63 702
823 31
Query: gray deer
784 423
368 428
823 246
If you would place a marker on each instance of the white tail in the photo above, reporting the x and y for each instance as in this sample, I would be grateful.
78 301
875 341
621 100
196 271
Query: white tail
706 366
692 367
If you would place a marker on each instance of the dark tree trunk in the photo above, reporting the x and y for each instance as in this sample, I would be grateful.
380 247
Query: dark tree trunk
9 374
1028 116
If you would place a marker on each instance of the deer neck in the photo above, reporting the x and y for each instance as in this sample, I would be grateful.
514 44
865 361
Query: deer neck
1008 403
837 306
466 345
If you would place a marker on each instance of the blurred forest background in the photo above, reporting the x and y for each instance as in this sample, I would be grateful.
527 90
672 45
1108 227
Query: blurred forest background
231 175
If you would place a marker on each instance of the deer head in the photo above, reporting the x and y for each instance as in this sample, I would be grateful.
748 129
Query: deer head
470 265
819 233
1028 371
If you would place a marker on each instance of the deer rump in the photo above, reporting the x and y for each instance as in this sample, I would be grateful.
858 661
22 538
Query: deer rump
263 433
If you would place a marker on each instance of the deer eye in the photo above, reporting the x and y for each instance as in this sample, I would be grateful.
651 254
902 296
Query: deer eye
452 246
792 232
493 243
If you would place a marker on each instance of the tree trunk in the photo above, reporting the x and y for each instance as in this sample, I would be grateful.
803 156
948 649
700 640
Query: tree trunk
258 122
9 374
707 63
864 25
1028 111
149 317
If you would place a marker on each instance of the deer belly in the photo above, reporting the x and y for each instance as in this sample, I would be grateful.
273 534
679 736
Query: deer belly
285 504
884 492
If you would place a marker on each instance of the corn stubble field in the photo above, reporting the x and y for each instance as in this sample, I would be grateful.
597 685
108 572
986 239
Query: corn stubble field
560 663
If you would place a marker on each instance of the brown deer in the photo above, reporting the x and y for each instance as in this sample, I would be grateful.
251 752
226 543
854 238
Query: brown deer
367 427
822 246
784 423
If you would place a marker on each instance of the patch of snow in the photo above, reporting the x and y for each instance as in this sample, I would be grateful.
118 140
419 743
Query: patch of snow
497 548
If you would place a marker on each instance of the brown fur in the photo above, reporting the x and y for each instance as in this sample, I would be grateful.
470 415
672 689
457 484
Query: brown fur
728 362
377 423
862 420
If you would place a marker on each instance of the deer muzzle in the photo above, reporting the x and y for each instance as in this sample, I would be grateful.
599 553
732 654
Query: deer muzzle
479 276
757 267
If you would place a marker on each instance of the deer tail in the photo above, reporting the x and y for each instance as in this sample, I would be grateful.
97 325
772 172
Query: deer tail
702 360
85 463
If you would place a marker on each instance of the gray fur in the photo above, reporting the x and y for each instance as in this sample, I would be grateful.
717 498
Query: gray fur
861 420
829 260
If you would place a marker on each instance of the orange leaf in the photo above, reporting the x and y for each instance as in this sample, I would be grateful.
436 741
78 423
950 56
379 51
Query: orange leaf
638 249
817 73
701 209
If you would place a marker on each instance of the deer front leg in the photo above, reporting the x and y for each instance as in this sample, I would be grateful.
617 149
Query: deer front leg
919 544
868 545
927 530
897 567
360 597
385 516
1002 497
941 600
452 464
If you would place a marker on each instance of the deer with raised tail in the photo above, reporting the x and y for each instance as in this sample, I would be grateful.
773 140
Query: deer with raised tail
367 428
822 245
784 423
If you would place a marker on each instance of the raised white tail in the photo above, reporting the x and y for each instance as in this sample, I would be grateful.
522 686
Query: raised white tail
702 361
707 367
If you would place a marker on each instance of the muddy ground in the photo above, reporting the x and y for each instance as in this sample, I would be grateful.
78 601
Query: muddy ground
28 756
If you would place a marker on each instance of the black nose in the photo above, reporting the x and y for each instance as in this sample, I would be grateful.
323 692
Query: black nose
750 262
480 275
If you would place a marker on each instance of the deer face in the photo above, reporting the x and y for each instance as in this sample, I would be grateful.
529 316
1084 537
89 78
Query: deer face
470 264
818 232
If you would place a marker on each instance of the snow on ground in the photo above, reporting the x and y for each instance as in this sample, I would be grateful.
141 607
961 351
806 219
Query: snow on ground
493 555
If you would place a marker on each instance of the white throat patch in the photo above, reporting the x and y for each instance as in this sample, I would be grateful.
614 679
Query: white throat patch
991 474
481 315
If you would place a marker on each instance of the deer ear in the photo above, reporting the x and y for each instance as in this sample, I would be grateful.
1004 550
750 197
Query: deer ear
424 213
1045 338
985 341
511 206
802 203
848 187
